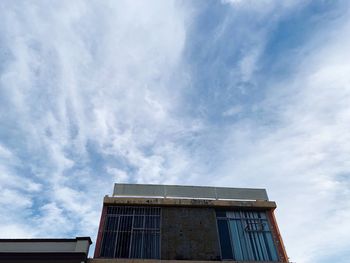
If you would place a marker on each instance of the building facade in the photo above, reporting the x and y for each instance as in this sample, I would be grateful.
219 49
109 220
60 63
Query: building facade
188 223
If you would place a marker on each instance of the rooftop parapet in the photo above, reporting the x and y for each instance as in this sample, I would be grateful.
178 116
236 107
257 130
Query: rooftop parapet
189 192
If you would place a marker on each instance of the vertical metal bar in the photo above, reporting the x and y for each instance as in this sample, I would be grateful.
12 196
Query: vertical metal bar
257 234
143 233
160 233
251 236
116 236
246 237
231 237
261 237
131 231
122 234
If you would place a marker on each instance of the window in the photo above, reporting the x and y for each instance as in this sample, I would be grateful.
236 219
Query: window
245 235
131 232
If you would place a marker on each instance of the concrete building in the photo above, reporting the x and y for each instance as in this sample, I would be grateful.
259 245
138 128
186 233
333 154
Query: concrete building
141 223
44 250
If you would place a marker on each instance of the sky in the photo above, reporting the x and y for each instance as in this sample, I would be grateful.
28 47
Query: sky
238 93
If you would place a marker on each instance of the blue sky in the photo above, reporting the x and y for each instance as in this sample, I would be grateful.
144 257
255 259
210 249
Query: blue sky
241 93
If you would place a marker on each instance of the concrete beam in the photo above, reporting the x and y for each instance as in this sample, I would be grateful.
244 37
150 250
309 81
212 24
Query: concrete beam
265 205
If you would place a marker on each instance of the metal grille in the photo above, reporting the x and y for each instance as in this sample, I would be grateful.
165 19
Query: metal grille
248 238
131 232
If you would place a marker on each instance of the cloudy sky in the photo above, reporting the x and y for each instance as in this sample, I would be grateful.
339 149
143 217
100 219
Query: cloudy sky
241 93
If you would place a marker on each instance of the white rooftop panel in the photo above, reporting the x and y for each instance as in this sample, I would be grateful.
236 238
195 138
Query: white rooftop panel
195 192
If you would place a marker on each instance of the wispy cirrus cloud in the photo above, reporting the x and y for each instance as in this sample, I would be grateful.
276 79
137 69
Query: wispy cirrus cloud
284 123
86 90
240 93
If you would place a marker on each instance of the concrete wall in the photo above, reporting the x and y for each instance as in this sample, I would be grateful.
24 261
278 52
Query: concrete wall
256 205
44 246
37 247
189 234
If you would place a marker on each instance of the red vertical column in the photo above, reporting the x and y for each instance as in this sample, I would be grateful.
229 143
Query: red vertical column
100 232
277 237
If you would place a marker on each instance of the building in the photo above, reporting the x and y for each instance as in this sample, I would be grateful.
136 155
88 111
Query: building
45 250
188 223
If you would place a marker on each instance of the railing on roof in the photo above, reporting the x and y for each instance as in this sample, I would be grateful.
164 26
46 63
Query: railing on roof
191 192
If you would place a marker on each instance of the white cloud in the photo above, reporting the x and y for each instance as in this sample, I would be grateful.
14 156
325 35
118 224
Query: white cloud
89 74
5 153
11 230
53 221
119 176
303 158
90 98
232 111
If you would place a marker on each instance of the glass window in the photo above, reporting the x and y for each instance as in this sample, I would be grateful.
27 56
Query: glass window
131 232
246 235
225 243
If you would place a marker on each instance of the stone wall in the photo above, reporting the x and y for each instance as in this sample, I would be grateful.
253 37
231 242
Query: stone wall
189 234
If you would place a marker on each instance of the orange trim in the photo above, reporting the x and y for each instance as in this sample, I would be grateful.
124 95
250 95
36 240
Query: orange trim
100 232
277 237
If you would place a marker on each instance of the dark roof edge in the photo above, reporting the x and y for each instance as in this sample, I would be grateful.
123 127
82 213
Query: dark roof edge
45 239
42 256
84 238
